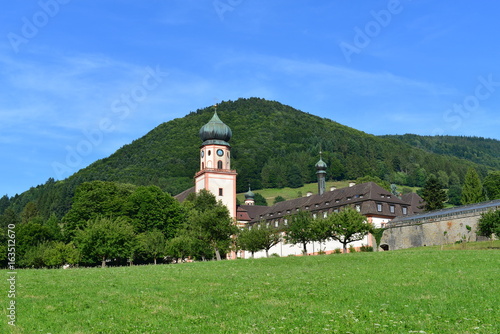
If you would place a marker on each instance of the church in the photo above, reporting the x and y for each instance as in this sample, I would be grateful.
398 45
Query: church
378 205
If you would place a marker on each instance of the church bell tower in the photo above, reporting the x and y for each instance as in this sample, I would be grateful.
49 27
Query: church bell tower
321 173
215 173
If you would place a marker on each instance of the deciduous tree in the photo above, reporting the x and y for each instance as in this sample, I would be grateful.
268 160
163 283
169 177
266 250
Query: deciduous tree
348 226
153 243
105 238
209 222
489 224
299 230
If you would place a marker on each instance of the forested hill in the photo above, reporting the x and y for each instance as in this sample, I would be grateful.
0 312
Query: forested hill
477 149
273 145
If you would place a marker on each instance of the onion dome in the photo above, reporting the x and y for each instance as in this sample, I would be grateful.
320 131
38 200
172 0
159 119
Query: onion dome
321 166
215 132
249 194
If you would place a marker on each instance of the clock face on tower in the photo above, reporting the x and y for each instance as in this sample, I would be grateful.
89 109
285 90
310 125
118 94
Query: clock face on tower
220 152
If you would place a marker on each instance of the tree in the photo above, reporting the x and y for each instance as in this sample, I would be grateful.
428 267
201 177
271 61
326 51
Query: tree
150 208
299 230
294 177
278 199
270 238
58 253
4 203
96 199
321 230
455 195
443 178
30 235
30 211
491 185
251 240
489 224
433 194
209 221
105 238
348 226
153 243
472 190
260 200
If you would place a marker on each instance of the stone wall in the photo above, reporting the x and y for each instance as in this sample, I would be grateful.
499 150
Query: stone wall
431 232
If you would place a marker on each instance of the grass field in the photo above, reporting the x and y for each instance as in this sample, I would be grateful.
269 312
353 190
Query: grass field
426 291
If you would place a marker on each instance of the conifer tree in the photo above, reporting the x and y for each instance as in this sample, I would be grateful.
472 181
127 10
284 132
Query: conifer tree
472 191
433 194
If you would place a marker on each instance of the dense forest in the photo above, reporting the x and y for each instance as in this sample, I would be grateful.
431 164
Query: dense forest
273 145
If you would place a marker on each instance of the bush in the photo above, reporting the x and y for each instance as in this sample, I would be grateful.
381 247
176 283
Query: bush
365 248
337 251
352 249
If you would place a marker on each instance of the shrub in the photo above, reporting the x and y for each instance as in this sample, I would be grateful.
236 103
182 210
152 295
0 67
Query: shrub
365 248
352 249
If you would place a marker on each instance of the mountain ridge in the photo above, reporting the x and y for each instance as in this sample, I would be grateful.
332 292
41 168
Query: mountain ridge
273 145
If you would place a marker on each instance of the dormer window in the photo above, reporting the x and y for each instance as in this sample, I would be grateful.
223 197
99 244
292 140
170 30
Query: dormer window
349 198
316 205
307 207
327 203
337 201
383 196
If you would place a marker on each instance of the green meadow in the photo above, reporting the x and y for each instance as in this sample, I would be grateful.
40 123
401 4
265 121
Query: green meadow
426 291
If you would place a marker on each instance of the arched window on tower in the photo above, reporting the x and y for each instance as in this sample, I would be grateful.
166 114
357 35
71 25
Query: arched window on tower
219 164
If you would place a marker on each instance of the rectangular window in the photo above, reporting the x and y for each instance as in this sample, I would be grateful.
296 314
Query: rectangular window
379 207
325 214
405 210
391 207
358 207
286 222
220 192
276 224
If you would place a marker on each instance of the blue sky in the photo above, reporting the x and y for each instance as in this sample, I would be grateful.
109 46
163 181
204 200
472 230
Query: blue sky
79 79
